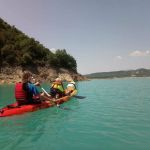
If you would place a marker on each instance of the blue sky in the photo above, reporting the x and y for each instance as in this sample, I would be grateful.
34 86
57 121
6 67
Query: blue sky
102 35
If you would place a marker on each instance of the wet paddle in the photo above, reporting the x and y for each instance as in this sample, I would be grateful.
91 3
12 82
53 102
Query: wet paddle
79 97
45 92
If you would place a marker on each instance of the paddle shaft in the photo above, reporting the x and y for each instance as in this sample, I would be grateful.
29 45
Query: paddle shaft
45 91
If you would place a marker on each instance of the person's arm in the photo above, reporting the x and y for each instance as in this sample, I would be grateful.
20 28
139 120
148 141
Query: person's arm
33 81
37 84
33 89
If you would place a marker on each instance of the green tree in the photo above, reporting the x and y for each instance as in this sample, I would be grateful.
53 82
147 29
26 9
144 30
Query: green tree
17 49
65 60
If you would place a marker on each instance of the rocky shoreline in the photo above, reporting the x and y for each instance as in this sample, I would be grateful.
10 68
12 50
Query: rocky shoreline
10 75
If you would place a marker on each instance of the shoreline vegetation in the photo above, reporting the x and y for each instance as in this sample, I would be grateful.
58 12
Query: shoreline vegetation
19 52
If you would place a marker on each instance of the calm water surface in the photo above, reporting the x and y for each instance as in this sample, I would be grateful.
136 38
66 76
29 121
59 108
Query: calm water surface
114 116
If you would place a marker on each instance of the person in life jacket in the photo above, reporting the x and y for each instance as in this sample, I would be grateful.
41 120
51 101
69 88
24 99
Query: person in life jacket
71 89
57 89
26 91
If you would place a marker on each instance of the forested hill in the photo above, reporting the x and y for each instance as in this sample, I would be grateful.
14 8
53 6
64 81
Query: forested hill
18 49
120 74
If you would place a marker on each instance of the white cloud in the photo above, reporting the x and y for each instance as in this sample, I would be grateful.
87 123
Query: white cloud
119 57
53 50
138 53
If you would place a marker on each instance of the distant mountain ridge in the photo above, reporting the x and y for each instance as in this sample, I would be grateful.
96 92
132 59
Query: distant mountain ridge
142 72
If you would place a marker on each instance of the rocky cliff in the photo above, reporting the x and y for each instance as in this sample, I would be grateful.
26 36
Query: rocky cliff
10 75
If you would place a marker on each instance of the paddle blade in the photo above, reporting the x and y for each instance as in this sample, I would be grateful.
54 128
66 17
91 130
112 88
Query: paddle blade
79 97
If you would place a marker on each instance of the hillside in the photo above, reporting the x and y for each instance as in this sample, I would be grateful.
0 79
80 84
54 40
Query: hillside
120 74
18 50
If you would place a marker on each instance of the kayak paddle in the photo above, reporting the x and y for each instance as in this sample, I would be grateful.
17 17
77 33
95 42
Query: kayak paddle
79 97
58 106
45 92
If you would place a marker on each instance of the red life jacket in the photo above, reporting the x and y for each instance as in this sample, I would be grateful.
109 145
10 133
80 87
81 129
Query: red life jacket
20 94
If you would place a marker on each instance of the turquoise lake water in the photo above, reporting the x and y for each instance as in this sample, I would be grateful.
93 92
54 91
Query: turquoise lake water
115 115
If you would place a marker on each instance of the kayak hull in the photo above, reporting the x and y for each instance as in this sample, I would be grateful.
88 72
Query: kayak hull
12 109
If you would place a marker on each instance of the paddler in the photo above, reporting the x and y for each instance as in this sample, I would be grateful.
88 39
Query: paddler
57 89
71 89
26 91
